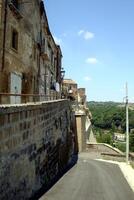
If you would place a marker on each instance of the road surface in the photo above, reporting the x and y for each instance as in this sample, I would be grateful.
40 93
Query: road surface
91 180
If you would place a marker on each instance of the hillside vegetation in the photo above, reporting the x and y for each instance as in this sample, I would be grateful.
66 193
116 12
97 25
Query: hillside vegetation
108 118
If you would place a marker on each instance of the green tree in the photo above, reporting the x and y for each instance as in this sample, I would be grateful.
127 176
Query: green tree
104 138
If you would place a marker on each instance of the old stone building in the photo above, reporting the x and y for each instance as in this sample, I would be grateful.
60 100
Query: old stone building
70 87
30 60
82 96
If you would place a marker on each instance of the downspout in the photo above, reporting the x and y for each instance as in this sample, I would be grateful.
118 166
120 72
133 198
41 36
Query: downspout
40 46
4 36
38 73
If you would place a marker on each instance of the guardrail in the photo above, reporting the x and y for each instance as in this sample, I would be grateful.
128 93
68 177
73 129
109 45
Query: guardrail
25 98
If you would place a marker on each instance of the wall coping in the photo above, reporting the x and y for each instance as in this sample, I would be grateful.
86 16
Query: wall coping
107 145
12 108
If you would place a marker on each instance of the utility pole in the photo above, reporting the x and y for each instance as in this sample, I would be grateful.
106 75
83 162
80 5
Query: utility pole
127 127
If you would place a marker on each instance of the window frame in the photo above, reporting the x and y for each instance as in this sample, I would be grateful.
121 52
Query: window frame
14 39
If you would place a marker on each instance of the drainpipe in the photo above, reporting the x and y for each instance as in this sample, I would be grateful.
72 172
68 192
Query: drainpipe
40 46
4 36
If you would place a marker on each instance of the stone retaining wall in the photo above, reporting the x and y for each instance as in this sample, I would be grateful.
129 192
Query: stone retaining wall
35 145
103 148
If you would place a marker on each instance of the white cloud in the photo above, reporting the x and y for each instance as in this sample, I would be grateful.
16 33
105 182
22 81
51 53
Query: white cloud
92 61
57 40
87 78
87 35
81 32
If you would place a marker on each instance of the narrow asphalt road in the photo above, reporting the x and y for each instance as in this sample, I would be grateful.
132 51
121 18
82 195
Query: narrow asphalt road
91 180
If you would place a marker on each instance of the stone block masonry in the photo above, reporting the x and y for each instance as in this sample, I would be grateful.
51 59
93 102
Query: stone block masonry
35 145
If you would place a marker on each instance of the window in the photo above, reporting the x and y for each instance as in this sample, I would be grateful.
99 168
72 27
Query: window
52 57
34 51
14 39
43 43
15 8
15 3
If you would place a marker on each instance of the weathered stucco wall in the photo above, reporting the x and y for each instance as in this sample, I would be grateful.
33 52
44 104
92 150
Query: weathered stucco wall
81 132
35 145
27 48
24 59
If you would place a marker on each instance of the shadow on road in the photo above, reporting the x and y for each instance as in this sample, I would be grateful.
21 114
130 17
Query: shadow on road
45 188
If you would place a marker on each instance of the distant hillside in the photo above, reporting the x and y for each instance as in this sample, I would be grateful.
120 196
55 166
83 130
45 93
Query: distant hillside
105 103
110 117
107 115
110 103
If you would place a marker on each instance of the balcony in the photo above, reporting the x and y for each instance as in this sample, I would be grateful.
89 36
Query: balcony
44 54
13 5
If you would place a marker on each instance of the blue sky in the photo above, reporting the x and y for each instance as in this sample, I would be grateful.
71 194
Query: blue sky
97 41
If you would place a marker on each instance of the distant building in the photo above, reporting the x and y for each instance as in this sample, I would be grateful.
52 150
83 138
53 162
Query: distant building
30 60
70 88
82 96
119 137
82 114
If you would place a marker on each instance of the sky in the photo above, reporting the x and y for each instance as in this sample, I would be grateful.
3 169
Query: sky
97 42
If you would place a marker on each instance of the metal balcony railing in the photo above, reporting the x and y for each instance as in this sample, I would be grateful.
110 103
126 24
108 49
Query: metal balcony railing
5 98
15 8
